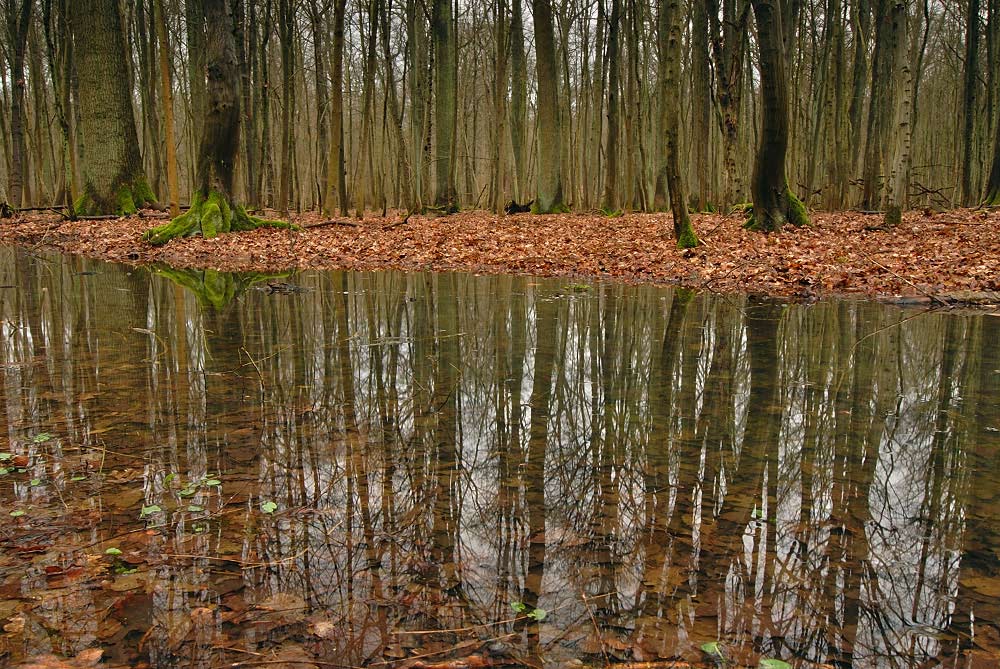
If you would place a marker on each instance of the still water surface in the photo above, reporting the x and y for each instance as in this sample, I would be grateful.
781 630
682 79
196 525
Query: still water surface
353 469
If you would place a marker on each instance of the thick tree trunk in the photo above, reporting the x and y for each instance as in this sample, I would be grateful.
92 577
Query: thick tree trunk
194 25
669 25
213 210
550 190
773 203
114 181
445 98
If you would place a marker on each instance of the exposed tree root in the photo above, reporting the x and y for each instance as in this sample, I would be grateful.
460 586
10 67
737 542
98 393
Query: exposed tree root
210 216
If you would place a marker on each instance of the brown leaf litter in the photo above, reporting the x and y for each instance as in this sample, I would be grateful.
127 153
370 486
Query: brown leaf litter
951 256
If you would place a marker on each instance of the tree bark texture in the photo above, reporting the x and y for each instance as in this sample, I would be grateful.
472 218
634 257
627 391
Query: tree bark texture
550 186
669 24
773 203
113 177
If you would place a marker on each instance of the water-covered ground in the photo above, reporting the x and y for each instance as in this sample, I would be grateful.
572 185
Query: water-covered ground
441 470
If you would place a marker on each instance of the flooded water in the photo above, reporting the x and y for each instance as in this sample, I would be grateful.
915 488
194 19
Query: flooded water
450 471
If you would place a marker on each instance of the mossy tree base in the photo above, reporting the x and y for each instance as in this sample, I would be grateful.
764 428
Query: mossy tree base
129 198
211 216
992 198
686 237
787 209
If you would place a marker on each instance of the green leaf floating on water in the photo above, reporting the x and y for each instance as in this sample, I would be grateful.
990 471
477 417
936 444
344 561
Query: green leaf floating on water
268 507
770 663
35 482
4 457
538 614
150 510
518 606
713 648
213 482
41 437
17 514
187 492
113 551
194 508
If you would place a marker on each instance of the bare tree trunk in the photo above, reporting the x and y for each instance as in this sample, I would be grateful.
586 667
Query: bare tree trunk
880 110
902 105
316 21
396 114
969 91
862 36
445 98
669 25
609 201
114 181
701 108
194 24
729 50
773 203
518 100
499 163
550 188
336 184
286 23
18 21
168 107
59 53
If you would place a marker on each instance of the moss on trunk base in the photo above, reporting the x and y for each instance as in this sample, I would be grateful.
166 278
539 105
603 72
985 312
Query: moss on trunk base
210 216
686 237
129 198
992 198
788 209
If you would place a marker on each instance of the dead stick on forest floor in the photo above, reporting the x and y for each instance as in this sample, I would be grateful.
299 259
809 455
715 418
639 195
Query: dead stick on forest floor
323 224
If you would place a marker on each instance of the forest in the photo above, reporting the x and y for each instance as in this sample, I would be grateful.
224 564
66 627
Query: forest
358 106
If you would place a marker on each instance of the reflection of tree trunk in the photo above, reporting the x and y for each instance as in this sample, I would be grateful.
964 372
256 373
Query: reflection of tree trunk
533 472
445 433
509 325
656 477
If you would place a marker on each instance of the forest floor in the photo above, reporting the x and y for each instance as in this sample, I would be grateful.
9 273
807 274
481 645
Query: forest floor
951 256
